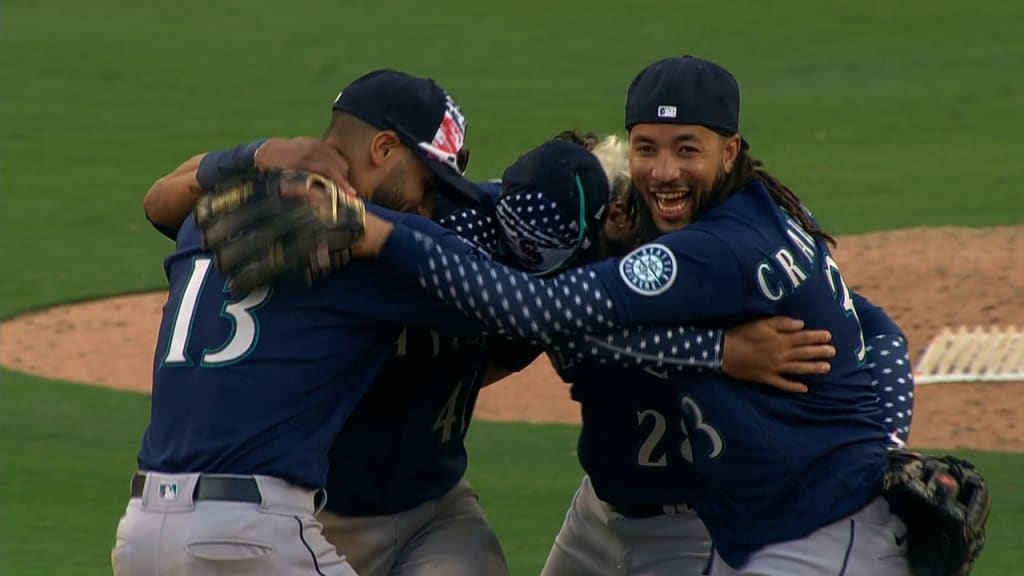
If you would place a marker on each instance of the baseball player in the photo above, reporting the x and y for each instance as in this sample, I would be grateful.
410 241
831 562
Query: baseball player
785 485
408 508
249 390
640 523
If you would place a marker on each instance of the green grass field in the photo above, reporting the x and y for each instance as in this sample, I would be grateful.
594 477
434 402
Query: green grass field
880 114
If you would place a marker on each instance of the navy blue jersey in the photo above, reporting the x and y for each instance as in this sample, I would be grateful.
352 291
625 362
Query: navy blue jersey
773 466
404 443
657 350
629 440
491 190
629 443
260 383
625 445
443 208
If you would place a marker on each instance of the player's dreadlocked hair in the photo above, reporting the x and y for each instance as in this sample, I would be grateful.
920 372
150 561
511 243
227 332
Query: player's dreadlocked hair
639 216
747 169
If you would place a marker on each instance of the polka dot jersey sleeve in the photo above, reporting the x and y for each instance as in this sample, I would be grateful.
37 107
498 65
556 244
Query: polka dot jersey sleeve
893 378
513 303
681 348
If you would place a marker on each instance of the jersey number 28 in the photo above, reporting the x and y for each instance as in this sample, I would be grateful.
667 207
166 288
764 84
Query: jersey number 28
652 443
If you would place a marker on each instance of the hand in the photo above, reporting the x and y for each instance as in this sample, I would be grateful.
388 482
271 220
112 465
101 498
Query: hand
764 350
305 155
375 230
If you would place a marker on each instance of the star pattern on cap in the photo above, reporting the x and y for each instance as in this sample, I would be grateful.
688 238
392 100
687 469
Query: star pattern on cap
477 228
542 221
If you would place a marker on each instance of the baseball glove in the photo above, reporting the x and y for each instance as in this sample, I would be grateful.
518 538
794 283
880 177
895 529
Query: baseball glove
944 502
278 226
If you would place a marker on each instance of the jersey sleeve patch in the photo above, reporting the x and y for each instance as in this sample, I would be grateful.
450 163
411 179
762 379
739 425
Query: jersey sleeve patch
649 270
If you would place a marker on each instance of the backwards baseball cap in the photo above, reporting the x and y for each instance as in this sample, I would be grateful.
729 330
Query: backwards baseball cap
425 117
552 206
685 90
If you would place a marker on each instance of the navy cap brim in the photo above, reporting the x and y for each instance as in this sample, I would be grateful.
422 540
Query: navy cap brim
456 188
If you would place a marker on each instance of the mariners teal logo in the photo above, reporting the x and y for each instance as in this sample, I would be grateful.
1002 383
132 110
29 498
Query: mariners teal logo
649 270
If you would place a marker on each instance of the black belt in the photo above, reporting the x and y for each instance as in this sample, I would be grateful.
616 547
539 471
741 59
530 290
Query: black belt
213 487
650 510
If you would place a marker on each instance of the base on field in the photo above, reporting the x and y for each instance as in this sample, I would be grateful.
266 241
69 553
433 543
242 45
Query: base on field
979 354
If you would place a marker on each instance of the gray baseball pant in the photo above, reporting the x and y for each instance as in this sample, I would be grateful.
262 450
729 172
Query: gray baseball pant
448 535
871 542
165 531
595 540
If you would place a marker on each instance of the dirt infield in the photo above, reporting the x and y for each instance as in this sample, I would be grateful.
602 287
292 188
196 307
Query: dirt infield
926 278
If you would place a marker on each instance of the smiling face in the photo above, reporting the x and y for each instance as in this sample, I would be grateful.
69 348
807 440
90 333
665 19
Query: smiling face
676 168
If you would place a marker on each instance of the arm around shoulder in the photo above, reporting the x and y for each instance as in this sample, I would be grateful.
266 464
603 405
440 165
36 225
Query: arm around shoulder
171 198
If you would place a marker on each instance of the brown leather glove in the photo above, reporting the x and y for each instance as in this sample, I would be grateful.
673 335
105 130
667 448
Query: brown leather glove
945 502
277 226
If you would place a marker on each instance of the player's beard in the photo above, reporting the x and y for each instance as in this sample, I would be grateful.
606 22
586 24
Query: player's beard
705 201
388 193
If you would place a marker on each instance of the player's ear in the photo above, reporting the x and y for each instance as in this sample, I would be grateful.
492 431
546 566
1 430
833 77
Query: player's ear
617 218
730 151
384 147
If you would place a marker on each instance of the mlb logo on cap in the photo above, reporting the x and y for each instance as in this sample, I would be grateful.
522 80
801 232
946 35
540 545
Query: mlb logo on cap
685 90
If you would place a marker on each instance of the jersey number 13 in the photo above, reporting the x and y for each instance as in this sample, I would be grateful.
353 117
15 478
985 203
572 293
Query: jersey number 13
245 327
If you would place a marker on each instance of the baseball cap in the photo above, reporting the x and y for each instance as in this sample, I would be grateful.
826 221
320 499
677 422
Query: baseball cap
425 117
551 208
686 90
